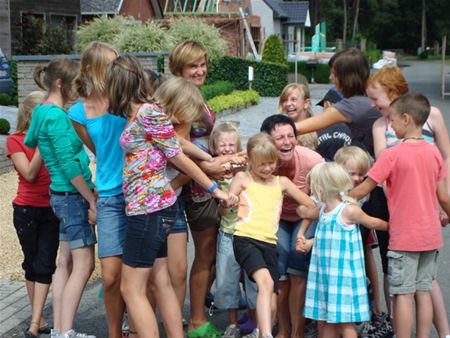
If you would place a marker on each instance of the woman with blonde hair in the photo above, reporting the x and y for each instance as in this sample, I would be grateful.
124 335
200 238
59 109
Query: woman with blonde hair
189 59
35 223
150 143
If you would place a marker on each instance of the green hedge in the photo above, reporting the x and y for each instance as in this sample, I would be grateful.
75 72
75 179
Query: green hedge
269 78
235 100
321 74
216 89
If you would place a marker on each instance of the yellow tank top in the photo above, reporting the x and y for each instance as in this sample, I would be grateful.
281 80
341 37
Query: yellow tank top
259 211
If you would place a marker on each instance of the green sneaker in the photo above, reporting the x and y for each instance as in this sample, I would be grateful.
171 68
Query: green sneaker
207 330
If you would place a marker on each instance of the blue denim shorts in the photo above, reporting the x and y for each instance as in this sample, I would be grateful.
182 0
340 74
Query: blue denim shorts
146 237
228 275
72 213
111 224
289 260
180 225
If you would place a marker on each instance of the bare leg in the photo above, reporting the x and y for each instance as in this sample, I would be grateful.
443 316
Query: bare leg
440 320
177 264
328 330
283 317
371 271
264 281
205 245
37 293
403 315
296 305
114 304
62 273
83 265
232 316
424 314
348 330
133 287
166 299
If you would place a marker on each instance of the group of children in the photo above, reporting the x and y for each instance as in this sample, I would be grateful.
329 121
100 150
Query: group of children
142 162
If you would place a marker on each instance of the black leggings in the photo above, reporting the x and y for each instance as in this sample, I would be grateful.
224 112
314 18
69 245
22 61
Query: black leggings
38 232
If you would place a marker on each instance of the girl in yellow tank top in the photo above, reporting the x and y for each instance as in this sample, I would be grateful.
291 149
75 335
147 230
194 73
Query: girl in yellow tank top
260 200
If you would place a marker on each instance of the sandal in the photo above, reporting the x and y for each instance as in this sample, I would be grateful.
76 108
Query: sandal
207 330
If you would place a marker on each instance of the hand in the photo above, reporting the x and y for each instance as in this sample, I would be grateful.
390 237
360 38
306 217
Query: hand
240 158
233 200
303 245
92 213
443 217
221 196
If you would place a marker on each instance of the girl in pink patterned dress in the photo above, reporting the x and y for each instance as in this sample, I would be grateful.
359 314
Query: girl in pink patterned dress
150 143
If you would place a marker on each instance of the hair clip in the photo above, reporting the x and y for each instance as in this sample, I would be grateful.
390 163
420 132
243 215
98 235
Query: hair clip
157 74
342 194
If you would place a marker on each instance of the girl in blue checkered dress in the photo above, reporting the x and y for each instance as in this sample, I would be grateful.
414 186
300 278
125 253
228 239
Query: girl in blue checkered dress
336 291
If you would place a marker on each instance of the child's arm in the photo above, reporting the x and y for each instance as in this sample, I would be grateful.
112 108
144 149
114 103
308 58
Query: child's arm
186 165
291 189
379 136
443 196
83 135
179 181
28 169
308 212
363 189
216 167
238 184
302 244
193 151
353 214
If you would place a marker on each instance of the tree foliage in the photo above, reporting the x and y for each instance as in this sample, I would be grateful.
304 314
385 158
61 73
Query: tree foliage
185 28
273 50
385 23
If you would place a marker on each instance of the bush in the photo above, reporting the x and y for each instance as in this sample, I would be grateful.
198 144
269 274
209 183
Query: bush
185 28
269 78
4 126
216 89
6 99
273 50
150 37
373 56
235 100
321 74
102 29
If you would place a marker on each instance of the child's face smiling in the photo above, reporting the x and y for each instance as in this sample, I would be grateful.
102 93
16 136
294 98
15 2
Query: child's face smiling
355 172
295 106
263 170
226 143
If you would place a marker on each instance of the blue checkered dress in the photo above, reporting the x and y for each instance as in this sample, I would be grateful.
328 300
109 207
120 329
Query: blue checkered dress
336 291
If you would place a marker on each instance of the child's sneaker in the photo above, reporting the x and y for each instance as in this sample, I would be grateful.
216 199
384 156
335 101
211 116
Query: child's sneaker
232 331
247 327
253 334
54 333
73 334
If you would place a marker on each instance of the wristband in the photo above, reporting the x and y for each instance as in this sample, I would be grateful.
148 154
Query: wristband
212 188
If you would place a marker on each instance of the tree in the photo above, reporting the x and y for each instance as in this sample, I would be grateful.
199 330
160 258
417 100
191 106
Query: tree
273 50
355 22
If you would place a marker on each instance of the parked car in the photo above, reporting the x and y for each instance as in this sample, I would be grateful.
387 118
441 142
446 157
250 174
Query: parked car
6 82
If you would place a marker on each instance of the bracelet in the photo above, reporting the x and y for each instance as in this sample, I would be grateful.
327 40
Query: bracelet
212 188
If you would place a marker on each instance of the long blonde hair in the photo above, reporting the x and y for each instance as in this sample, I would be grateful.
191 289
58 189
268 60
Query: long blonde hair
181 100
329 179
26 109
94 64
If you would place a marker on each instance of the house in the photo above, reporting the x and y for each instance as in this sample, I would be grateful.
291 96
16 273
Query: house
140 10
288 19
26 17
5 28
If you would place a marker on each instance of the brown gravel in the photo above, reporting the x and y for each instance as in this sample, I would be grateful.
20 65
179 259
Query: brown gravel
11 256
